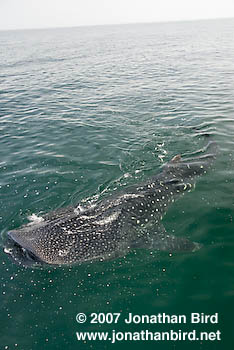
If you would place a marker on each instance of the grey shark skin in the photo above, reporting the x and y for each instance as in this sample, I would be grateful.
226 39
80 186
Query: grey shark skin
112 227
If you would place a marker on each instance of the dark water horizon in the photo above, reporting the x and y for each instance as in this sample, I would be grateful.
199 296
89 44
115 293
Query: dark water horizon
86 112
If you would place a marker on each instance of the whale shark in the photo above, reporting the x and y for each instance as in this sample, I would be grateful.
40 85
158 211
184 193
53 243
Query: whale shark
113 226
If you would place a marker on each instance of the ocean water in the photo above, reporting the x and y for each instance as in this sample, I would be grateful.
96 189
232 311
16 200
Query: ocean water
85 112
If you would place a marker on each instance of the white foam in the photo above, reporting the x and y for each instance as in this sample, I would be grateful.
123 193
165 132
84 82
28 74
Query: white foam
79 209
8 250
35 219
108 219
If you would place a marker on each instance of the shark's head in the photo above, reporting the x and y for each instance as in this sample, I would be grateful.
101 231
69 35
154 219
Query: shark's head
61 241
20 254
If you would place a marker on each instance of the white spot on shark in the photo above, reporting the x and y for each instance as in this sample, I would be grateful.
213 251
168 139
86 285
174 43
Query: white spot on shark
63 252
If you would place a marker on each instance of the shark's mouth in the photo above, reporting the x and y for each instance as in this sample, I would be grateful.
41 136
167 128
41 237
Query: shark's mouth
21 255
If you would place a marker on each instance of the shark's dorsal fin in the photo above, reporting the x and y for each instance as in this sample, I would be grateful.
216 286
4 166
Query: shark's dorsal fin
176 159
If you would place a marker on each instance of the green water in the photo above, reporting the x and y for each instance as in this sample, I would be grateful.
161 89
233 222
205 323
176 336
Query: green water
85 112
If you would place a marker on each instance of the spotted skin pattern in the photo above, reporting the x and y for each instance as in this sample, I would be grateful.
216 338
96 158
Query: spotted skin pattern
113 226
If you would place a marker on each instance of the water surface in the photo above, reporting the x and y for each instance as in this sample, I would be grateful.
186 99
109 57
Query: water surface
88 111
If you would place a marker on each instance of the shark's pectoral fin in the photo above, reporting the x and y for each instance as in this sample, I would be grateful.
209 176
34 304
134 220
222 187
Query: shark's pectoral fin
161 240
141 243
172 244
